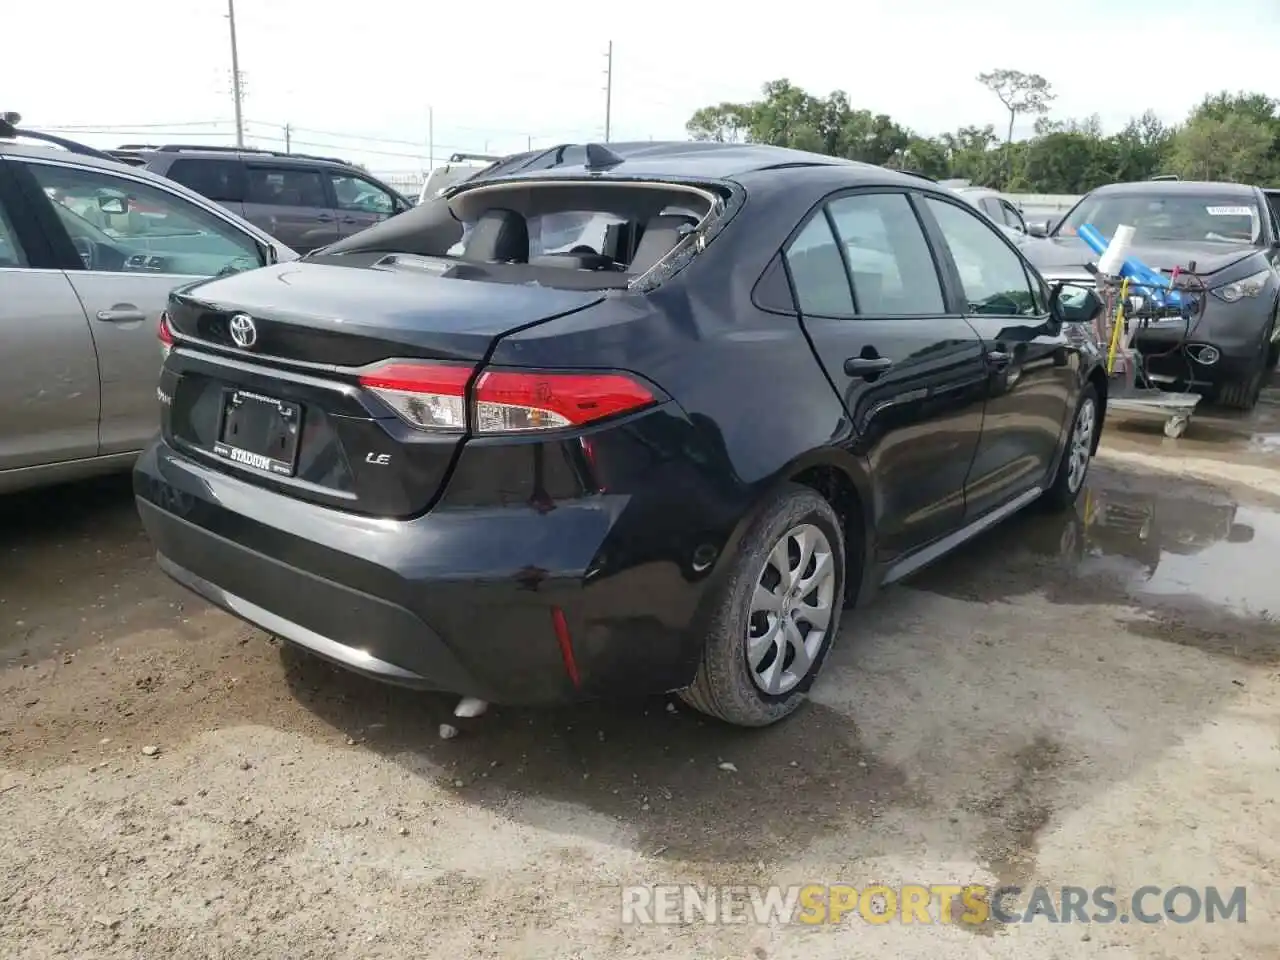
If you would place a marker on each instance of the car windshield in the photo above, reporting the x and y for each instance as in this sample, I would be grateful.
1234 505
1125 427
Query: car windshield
1156 217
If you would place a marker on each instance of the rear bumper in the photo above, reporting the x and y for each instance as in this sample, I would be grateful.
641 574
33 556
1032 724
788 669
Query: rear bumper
473 600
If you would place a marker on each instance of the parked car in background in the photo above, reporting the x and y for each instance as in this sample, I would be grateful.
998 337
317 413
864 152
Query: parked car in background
665 409
304 201
1002 211
459 167
89 251
1226 232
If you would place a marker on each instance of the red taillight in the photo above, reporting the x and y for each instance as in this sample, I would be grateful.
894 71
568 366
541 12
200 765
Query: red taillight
164 335
504 400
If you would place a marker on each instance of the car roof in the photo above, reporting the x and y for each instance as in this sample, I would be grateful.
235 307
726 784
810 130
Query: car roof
1156 187
700 159
34 152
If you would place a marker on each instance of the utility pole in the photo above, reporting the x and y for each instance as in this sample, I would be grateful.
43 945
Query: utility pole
236 92
288 131
431 139
608 92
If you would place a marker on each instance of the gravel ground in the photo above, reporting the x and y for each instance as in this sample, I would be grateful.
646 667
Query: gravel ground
1082 701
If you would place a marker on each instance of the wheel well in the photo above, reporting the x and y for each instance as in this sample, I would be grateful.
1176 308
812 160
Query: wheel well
837 489
1098 378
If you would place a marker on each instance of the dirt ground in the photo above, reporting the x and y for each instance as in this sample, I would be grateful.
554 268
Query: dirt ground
1091 700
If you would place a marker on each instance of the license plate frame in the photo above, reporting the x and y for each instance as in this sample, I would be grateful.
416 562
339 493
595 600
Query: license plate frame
259 432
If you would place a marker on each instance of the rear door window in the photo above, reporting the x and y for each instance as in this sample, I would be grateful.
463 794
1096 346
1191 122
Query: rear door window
817 271
216 179
285 187
893 270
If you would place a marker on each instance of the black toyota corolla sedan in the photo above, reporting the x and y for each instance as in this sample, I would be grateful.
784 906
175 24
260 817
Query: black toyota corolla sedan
614 420
1224 232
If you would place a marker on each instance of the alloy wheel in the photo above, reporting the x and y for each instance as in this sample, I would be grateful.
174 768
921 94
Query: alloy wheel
1081 445
791 609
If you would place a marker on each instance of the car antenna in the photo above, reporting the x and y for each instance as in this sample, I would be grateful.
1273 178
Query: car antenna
600 157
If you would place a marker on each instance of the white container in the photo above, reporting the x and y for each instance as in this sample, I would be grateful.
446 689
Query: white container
1113 257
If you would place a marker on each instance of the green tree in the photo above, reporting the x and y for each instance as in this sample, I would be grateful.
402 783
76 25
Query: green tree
1227 135
1020 93
1236 147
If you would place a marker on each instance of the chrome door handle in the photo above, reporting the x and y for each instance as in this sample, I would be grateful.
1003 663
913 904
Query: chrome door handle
999 358
121 315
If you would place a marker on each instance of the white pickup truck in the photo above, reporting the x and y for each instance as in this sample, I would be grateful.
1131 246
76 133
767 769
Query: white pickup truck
460 166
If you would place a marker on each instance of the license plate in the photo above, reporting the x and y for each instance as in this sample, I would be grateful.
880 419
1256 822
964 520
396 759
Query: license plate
260 432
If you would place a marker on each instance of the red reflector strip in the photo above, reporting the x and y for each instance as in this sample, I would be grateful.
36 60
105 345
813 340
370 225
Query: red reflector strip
163 331
566 645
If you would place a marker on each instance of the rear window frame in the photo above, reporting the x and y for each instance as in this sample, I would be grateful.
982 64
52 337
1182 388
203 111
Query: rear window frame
722 198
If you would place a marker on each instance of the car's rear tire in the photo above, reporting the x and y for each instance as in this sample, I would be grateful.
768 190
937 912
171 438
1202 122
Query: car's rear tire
1073 468
787 581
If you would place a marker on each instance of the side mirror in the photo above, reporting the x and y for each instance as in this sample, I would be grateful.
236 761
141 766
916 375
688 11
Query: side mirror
113 204
1074 302
1040 229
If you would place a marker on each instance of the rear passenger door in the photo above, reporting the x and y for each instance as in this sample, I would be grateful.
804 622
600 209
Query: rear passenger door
910 371
360 204
291 203
49 391
1033 376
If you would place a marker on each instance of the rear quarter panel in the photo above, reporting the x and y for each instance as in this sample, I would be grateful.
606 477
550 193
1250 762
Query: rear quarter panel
758 406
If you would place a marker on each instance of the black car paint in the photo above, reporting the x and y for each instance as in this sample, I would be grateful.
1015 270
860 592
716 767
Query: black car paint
627 529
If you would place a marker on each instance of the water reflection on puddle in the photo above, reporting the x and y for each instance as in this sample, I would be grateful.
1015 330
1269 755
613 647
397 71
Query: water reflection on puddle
1175 544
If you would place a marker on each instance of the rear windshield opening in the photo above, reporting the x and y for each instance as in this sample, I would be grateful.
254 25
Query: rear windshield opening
583 235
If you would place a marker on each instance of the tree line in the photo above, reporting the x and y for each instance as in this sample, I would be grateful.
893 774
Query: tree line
1228 136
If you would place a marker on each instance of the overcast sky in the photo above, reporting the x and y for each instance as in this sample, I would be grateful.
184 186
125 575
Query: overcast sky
366 79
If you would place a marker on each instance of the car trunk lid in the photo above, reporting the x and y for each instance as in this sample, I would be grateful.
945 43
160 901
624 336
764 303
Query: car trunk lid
264 379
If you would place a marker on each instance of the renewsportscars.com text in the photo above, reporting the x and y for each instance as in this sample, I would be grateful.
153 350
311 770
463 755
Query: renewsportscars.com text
969 904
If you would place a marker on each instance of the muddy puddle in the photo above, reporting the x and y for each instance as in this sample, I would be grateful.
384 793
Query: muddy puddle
1159 539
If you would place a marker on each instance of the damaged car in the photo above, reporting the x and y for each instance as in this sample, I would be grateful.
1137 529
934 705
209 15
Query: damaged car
613 420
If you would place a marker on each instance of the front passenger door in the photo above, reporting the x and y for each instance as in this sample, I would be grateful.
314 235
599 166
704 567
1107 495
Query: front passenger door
49 391
131 242
1032 375
910 371
360 204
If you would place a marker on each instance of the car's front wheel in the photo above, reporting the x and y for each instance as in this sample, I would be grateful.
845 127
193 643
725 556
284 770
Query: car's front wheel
777 613
1244 392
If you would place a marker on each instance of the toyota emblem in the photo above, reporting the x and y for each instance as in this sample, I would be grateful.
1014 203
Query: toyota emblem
243 332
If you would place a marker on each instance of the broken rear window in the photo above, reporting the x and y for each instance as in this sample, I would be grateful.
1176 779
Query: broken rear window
555 233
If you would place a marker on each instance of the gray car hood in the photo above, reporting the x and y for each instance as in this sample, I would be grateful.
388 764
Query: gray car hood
1066 256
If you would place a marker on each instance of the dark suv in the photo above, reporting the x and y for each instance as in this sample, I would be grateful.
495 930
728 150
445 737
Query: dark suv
303 201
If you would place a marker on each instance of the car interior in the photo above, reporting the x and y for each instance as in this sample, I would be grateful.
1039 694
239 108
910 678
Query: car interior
615 228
